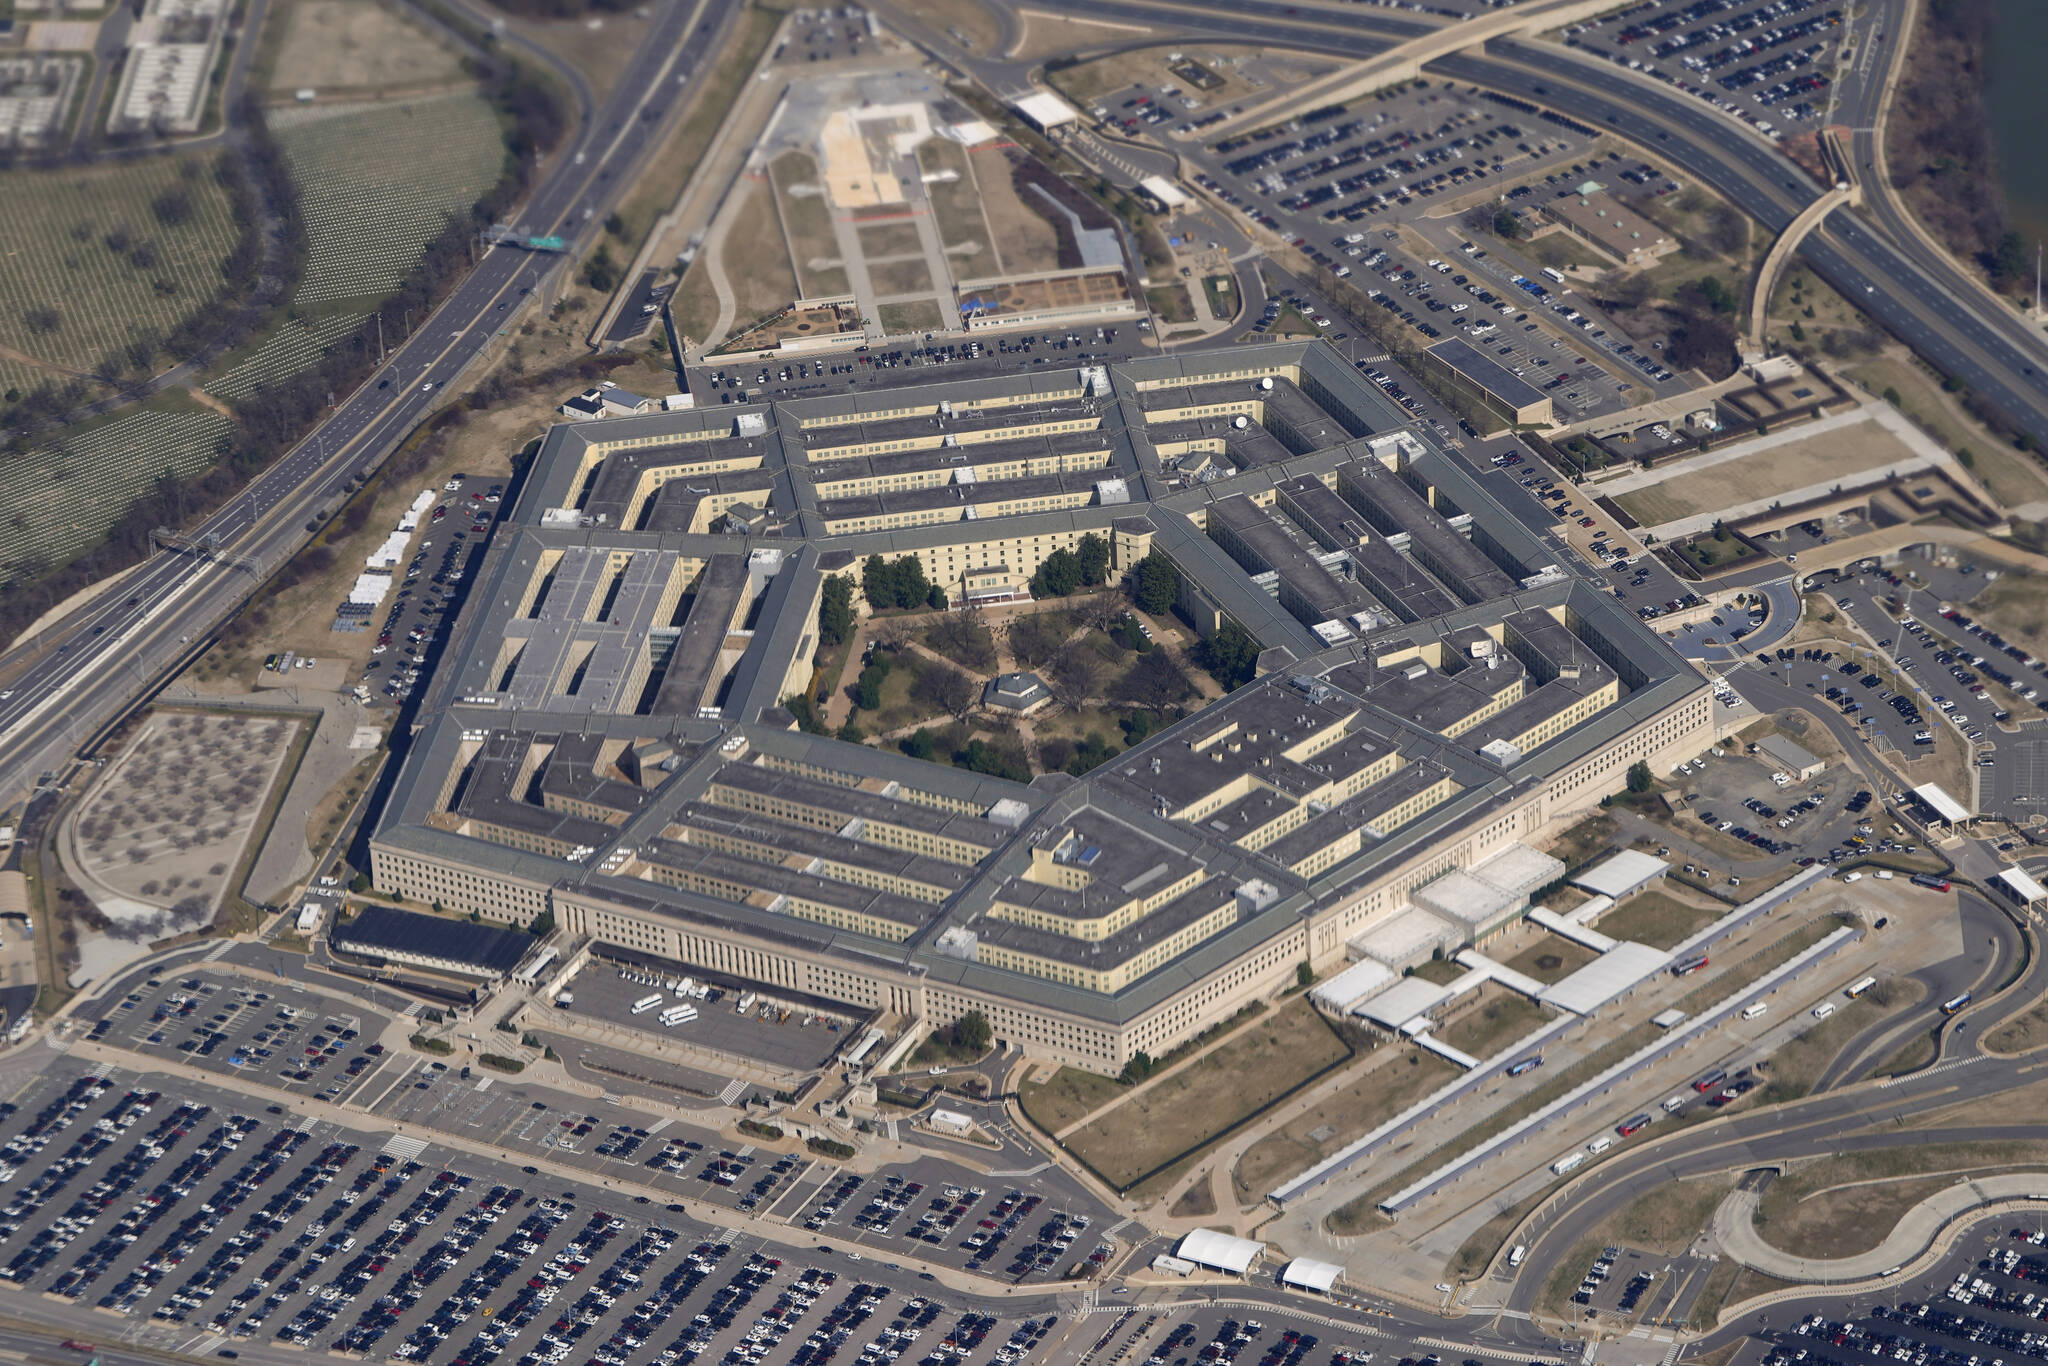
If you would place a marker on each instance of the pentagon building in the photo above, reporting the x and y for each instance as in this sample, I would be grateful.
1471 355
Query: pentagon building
606 739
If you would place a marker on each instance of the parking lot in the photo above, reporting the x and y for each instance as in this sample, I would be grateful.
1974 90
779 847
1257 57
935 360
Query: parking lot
1990 1307
999 353
777 1033
1766 62
413 628
207 1219
1375 161
285 1037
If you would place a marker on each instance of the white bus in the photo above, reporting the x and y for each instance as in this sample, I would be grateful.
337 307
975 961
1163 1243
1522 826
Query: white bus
1554 275
1568 1162
676 1015
1859 986
646 1003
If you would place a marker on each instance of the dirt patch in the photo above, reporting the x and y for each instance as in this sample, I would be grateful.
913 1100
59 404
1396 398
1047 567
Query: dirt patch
900 277
1551 958
1251 1068
889 239
1777 469
956 207
756 263
1071 1096
1658 919
1494 1020
349 46
172 816
1026 241
1387 1082
807 219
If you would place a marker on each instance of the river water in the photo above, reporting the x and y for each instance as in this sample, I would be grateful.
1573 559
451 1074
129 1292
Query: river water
2017 97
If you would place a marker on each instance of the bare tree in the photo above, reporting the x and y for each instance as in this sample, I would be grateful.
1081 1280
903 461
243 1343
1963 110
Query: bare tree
1073 674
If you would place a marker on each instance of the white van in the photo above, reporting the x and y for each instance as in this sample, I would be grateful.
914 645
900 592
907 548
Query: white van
1516 1253
1674 1105
1751 1011
1600 1144
1823 1010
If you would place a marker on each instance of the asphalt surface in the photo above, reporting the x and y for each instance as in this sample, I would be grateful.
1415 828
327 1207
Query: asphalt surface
1916 292
1861 1118
174 599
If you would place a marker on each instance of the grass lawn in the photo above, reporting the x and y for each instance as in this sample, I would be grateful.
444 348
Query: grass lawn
1795 1066
1657 919
956 208
1500 1017
1383 1084
1222 292
1580 843
1071 1095
899 706
920 315
1025 240
939 1049
756 262
1840 1206
808 220
2022 1033
900 277
1250 1069
1170 302
889 239
1441 971
1552 958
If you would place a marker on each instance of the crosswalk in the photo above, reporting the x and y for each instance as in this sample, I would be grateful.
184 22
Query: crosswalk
734 1089
1941 1067
404 1148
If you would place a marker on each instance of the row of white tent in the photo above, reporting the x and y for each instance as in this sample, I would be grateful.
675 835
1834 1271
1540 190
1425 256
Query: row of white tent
1206 1247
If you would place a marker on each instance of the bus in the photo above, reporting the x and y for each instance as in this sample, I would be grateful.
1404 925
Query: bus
1690 965
1710 1081
1955 1004
1633 1125
646 1003
1528 1064
1931 882
1553 274
1859 986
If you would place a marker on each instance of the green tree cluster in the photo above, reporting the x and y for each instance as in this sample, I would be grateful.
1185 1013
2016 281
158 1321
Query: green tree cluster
1155 584
1230 654
835 610
1067 571
897 583
972 1032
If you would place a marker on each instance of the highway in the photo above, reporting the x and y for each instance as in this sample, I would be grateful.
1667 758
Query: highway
113 649
1874 1115
1915 291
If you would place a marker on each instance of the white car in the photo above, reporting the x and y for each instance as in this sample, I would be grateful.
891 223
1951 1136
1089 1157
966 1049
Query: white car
427 387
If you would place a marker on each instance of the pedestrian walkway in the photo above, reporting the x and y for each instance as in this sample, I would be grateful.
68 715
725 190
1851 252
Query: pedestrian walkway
1916 1232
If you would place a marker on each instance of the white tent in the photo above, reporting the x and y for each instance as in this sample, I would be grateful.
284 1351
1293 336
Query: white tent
1307 1275
1220 1251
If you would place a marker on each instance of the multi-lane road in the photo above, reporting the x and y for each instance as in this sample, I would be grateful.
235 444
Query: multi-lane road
1914 289
110 652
